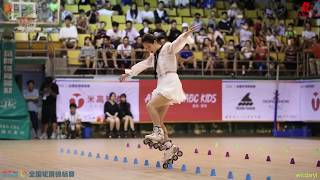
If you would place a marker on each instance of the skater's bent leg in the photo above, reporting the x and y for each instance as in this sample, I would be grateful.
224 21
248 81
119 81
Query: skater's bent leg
152 107
162 113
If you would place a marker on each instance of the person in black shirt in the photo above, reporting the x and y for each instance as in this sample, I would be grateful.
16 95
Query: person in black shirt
126 115
84 2
138 50
107 53
158 31
111 111
146 29
160 14
99 33
225 25
93 14
49 91
173 33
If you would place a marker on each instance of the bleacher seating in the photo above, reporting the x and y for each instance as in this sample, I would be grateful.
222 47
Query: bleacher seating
181 15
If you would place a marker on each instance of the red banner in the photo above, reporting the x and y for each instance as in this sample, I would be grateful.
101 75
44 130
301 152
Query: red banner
203 102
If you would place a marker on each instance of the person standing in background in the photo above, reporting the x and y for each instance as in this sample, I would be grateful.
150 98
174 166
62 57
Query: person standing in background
31 96
49 91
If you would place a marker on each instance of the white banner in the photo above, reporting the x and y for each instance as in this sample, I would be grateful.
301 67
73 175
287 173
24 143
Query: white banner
288 101
254 101
310 100
90 96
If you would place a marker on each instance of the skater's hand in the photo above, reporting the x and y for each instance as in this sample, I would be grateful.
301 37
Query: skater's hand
123 77
191 30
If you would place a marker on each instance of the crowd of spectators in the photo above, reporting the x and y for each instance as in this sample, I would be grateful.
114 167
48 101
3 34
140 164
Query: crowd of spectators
223 36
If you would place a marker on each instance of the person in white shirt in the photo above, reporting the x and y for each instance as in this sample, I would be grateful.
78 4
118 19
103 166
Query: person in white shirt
198 21
72 121
245 34
31 95
308 34
273 43
182 3
124 53
115 34
169 89
64 13
133 14
68 35
147 14
247 53
201 36
233 11
130 32
106 10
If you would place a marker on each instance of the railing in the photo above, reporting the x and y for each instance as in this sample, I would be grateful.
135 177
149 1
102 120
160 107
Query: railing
71 66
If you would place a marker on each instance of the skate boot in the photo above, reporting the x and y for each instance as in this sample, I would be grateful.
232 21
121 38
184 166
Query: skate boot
164 145
170 155
153 139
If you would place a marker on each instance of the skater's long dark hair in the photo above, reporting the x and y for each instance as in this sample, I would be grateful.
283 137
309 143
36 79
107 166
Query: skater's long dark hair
148 38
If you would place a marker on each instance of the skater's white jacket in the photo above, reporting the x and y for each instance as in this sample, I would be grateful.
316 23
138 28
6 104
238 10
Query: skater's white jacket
167 58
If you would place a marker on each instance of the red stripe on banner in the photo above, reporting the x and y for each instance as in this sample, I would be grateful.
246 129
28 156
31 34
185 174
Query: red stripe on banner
203 102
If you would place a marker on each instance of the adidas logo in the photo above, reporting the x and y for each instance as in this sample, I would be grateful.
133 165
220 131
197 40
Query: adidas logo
246 103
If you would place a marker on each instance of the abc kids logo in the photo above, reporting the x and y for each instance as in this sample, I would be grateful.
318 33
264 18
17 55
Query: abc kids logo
77 99
193 98
315 102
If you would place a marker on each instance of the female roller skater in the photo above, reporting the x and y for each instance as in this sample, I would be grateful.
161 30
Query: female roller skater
168 91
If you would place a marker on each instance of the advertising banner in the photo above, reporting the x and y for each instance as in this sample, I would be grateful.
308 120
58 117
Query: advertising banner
14 117
90 96
310 100
203 102
255 100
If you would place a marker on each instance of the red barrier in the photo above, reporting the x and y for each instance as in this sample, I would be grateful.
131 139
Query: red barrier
203 102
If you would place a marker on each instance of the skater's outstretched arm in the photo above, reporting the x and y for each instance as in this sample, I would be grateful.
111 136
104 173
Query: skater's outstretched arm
183 39
138 68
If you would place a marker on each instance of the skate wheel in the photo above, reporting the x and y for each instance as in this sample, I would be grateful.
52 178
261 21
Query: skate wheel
151 143
156 146
170 161
146 141
165 166
162 148
180 153
175 157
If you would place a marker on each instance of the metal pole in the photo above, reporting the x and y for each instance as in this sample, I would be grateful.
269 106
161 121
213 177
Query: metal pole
276 101
202 64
